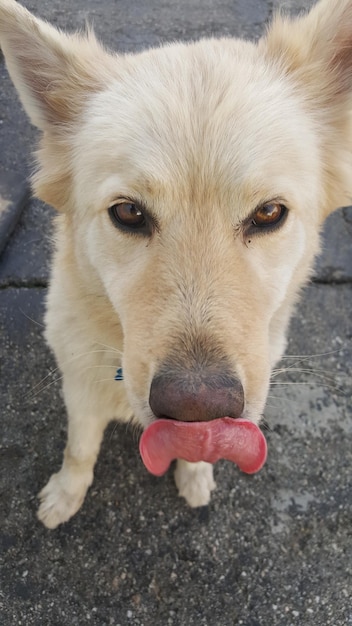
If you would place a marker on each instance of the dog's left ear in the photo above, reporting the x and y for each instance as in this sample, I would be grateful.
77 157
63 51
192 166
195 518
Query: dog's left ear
315 52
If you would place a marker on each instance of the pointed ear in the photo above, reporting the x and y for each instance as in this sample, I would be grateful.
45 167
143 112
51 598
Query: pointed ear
52 72
314 52
316 48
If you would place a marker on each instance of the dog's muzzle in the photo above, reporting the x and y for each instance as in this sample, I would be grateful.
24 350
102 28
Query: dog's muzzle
199 419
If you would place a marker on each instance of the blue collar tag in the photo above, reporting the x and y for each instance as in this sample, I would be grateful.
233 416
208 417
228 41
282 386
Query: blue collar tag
119 374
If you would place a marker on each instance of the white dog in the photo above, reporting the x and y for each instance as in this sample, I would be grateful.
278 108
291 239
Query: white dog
191 183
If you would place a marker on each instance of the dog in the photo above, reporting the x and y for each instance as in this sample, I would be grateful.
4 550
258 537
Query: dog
191 183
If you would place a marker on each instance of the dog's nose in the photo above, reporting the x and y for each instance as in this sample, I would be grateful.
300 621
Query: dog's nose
196 396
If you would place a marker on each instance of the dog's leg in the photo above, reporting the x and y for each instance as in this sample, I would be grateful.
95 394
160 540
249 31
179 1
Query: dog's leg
90 408
194 482
64 494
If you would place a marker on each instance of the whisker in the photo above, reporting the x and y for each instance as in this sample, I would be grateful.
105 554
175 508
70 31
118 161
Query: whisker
321 375
299 359
292 368
264 424
91 367
113 431
310 356
68 361
51 373
273 401
289 382
110 348
317 373
31 318
330 386
52 382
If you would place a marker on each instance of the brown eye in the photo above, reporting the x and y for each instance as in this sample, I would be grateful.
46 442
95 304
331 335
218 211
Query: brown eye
268 214
132 217
265 219
127 214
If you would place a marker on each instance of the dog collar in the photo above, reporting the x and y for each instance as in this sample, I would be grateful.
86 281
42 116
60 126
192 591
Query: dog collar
119 374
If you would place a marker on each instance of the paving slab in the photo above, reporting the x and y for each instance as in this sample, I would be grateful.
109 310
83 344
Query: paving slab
335 261
274 549
292 6
14 194
26 258
16 137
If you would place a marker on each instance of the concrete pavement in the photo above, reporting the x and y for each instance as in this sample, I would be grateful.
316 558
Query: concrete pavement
274 549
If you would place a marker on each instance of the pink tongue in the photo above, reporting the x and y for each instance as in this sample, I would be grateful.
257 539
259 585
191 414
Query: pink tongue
236 440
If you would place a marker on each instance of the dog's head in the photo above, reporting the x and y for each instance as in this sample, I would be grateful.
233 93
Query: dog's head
193 180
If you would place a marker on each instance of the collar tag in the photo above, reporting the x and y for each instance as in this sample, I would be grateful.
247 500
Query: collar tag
119 374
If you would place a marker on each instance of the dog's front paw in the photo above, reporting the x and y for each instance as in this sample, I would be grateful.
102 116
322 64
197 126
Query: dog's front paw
61 498
194 482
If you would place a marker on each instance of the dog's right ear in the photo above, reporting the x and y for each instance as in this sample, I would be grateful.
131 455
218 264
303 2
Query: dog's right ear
52 72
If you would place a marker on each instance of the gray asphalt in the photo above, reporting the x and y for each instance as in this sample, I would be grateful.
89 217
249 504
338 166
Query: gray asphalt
272 549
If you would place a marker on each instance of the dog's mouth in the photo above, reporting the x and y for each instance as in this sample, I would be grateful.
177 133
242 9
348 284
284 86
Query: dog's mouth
236 440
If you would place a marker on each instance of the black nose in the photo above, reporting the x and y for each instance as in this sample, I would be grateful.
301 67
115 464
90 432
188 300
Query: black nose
196 396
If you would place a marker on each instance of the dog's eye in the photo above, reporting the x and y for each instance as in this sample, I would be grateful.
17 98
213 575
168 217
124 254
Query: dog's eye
128 216
266 218
268 214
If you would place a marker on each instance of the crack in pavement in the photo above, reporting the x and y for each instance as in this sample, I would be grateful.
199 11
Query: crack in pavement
24 284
